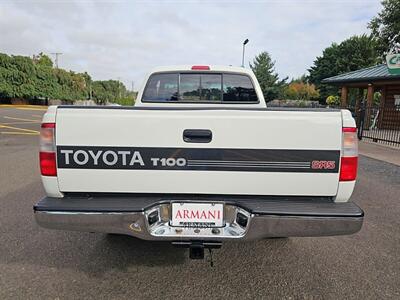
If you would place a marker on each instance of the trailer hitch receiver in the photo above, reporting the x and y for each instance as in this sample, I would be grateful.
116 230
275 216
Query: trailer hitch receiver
196 248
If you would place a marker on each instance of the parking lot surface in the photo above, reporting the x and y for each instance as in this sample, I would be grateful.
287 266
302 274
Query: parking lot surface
38 263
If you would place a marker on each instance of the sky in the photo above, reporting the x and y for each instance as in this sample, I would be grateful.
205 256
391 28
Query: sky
124 40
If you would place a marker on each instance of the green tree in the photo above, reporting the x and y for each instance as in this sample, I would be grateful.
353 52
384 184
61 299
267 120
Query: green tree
6 88
43 60
354 53
46 83
108 91
17 77
30 78
385 26
24 77
263 68
71 85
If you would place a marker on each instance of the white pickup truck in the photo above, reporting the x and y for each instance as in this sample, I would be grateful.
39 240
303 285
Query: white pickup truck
199 159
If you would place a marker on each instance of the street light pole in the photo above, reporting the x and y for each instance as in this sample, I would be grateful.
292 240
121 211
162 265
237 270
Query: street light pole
244 44
57 54
119 87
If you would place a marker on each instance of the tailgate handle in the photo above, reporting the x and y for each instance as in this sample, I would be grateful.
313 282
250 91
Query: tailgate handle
197 135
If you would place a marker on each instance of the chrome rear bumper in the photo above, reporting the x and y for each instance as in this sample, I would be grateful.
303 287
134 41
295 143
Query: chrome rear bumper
266 218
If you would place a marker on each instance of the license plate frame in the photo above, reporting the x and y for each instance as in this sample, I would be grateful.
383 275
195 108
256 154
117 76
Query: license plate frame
197 218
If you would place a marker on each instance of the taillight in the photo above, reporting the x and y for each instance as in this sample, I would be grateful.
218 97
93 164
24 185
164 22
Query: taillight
200 68
349 160
47 156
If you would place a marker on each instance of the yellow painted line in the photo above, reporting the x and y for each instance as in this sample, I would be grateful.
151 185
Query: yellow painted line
27 108
7 105
41 106
16 128
20 123
38 116
20 119
22 105
20 133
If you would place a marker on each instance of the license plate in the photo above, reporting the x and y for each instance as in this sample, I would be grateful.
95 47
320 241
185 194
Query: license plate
197 214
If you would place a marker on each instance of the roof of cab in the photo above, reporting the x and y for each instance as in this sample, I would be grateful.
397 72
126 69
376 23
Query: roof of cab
212 69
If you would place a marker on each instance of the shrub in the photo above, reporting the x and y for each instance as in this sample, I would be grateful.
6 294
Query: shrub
333 100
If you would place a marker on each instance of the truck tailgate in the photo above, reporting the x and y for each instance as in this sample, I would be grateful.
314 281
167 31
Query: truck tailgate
252 152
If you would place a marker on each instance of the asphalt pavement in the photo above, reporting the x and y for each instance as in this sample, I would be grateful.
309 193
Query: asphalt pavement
36 263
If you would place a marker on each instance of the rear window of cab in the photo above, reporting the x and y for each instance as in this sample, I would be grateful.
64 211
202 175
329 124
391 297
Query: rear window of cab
199 87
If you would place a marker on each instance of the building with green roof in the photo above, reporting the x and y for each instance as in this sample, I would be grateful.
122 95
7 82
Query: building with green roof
379 123
376 78
373 79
